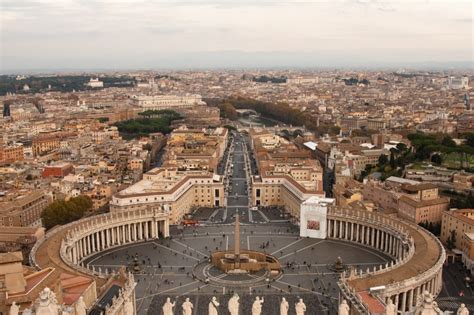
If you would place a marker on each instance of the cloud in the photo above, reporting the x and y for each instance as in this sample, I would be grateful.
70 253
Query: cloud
166 30
121 28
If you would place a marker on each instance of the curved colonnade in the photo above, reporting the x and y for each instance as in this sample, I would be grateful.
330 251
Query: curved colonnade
418 258
89 236
417 255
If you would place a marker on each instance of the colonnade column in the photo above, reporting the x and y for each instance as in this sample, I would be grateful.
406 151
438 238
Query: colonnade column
167 228
410 300
404 301
153 229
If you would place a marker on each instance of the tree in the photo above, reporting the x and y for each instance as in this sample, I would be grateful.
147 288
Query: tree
451 241
436 159
62 212
383 159
448 141
392 159
402 147
469 138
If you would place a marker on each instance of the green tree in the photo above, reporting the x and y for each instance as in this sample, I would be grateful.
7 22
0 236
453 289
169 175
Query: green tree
401 147
436 159
469 138
448 141
62 212
392 159
383 159
451 241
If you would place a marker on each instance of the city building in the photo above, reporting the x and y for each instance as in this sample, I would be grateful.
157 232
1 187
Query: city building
11 153
287 175
411 200
158 102
196 149
24 211
48 142
458 83
95 83
460 224
421 203
59 169
177 191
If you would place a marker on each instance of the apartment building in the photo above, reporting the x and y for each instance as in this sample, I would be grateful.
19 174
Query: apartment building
103 134
177 191
411 200
288 175
462 223
383 196
196 149
422 203
24 211
11 154
49 142
357 162
158 102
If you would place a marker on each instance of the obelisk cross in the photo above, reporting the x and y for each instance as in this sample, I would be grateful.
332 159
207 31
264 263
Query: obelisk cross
237 242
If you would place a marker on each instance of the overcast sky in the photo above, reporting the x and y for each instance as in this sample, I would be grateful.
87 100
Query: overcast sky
118 34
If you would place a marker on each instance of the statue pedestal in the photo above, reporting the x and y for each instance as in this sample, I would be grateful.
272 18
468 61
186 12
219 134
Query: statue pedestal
237 271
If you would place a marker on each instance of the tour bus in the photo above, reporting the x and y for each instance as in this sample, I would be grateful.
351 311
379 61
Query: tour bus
187 222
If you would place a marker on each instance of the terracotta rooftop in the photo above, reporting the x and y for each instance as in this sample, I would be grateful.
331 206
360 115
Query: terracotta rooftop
375 306
423 203
11 257
418 187
463 215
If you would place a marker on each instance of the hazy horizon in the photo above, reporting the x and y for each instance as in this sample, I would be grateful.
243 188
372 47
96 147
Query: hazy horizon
204 34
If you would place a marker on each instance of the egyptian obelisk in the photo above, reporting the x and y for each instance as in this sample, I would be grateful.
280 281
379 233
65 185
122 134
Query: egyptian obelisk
237 242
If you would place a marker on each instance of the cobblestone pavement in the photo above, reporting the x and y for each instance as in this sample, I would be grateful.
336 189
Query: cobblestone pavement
455 285
166 267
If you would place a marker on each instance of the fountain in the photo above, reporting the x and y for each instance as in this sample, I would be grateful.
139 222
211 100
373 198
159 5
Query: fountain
239 261
135 265
338 265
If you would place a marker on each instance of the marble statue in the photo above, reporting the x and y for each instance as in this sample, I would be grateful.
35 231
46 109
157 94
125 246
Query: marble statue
462 310
300 307
14 309
27 311
68 310
213 305
257 306
284 307
128 308
168 307
187 307
437 309
390 309
425 304
234 305
80 306
343 308
46 304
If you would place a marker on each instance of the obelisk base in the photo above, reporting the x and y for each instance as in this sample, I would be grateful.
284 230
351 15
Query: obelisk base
237 271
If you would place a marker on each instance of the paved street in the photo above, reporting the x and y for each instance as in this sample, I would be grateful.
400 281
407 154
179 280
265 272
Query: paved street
454 285
237 200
